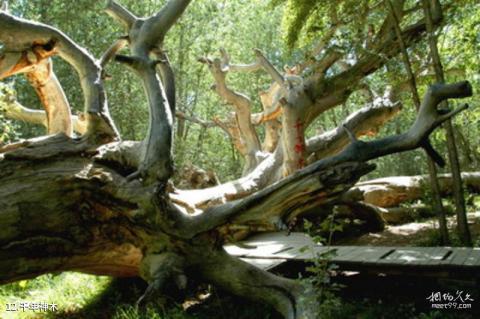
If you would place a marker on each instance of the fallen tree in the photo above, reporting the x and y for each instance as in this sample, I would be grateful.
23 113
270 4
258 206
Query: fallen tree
395 190
100 205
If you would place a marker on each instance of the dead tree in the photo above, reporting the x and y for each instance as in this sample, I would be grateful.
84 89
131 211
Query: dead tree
100 205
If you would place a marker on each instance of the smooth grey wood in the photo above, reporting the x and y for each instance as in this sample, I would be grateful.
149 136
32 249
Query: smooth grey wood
265 264
348 254
460 255
373 254
474 258
438 255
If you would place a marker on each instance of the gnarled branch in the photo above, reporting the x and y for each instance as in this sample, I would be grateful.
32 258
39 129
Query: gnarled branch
20 35
366 121
249 208
250 144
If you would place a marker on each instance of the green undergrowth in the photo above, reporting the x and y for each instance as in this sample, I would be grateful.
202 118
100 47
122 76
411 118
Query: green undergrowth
80 296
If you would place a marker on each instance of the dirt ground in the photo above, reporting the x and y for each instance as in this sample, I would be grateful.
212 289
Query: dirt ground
413 234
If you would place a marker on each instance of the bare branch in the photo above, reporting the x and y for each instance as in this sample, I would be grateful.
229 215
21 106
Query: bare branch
112 51
51 94
269 68
156 163
366 121
154 29
14 110
227 66
249 144
427 120
20 35
121 14
206 124
306 181
164 69
146 40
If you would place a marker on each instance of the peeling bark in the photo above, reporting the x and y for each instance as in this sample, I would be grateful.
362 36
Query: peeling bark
22 36
70 204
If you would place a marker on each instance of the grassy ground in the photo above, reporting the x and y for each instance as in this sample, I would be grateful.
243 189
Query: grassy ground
81 296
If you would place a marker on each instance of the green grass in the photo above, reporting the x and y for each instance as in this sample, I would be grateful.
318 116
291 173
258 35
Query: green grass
70 291
81 296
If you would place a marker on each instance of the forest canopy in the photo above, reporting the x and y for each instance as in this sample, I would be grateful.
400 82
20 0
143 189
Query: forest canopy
285 31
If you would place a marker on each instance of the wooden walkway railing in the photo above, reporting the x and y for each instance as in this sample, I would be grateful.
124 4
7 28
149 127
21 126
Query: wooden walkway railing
270 250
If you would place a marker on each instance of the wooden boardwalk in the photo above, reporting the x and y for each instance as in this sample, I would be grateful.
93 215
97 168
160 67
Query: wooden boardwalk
270 250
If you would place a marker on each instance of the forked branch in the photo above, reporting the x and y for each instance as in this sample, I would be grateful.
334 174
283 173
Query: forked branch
250 208
120 14
19 35
149 62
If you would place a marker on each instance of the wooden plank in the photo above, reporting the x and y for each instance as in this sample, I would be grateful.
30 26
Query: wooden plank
372 254
474 258
404 256
271 249
279 237
276 244
263 251
349 254
435 256
312 252
235 250
294 251
385 258
460 254
342 253
265 263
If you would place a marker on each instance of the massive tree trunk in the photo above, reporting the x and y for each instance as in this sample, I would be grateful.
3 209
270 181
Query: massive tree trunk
98 205
68 205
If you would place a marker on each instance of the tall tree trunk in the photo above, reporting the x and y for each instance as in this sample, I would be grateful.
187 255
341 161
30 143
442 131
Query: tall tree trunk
432 170
462 225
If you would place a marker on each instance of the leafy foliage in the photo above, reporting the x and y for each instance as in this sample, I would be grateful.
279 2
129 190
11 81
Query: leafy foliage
239 26
8 129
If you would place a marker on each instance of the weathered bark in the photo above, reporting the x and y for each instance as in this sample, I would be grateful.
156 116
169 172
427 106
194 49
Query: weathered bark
365 122
21 36
392 191
240 126
38 68
70 204
94 214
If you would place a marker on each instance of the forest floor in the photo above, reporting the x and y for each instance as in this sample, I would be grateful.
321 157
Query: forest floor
419 233
81 296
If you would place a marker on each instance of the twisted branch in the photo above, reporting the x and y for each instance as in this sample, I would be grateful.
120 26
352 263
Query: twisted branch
20 36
